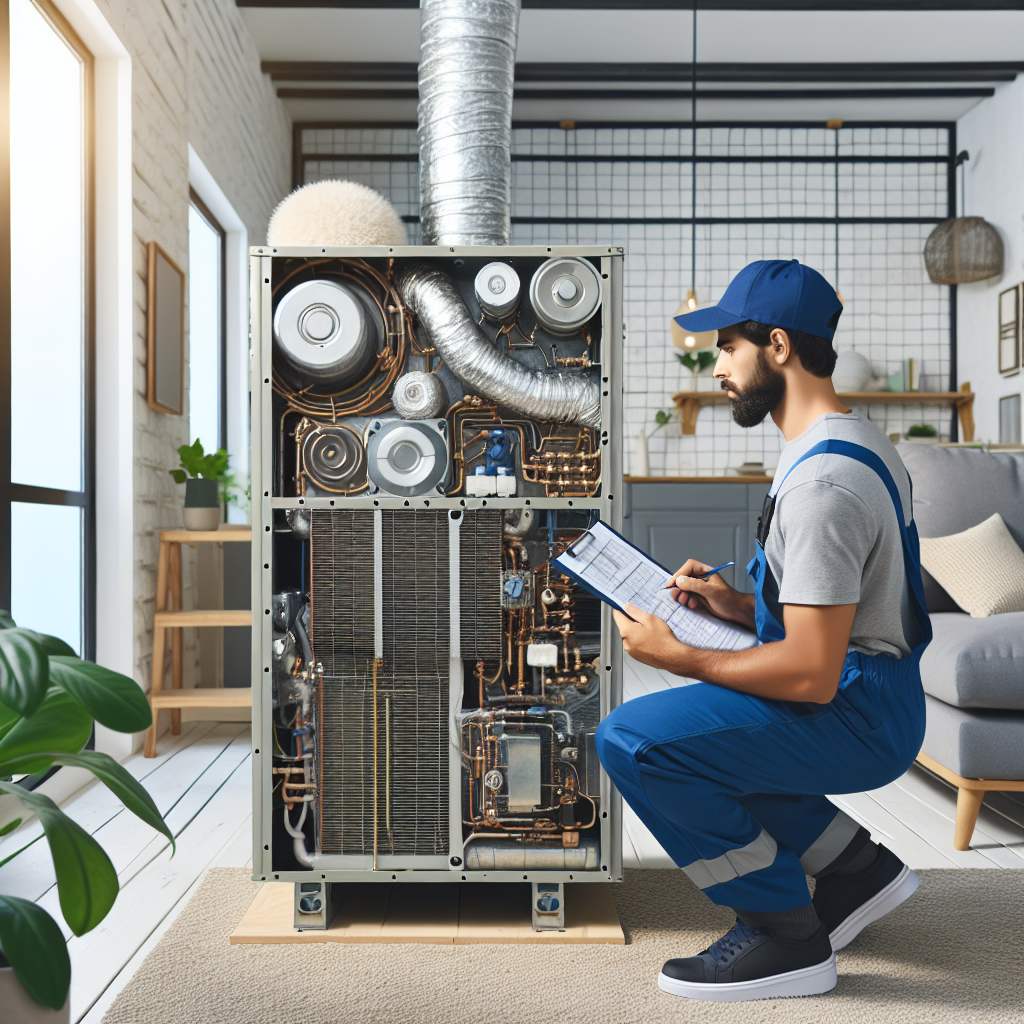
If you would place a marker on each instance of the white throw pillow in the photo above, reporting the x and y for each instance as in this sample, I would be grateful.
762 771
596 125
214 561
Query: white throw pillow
982 569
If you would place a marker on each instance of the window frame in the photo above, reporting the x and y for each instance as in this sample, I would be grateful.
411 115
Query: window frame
196 201
14 492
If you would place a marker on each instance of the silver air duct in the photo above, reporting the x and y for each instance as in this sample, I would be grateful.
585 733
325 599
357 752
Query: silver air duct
467 67
473 358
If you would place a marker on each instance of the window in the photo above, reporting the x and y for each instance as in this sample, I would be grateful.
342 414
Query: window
46 346
207 358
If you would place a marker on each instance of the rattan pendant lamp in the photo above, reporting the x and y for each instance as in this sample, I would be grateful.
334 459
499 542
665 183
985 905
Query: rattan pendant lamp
963 249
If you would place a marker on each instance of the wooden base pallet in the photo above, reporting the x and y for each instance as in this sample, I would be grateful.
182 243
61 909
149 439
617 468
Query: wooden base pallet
458 913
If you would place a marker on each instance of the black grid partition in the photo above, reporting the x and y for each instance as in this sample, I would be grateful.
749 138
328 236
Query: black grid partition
856 203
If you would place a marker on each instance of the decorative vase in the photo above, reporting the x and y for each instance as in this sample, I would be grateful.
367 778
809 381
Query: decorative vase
202 505
852 371
641 457
21 1008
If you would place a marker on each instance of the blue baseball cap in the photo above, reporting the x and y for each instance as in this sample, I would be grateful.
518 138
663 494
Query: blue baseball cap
780 293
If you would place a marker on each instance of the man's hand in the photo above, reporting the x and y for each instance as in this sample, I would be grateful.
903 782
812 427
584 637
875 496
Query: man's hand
713 595
650 640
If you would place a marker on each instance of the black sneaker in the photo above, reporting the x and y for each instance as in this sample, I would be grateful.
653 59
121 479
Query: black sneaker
753 963
847 904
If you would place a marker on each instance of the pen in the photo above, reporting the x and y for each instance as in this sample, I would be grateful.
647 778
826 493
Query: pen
702 576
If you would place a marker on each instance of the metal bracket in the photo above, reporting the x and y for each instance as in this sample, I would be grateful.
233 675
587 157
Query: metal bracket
315 905
547 906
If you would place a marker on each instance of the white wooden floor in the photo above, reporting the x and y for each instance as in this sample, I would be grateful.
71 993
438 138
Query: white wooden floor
202 783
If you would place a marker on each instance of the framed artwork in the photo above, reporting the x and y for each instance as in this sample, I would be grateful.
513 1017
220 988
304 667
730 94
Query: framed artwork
1010 343
1009 419
165 333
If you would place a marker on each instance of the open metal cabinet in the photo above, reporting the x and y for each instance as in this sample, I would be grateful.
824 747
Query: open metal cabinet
430 426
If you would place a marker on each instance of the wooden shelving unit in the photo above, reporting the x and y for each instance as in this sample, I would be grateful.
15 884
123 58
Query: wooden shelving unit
170 618
690 403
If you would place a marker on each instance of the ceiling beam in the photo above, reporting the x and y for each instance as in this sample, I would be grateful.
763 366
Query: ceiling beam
973 92
687 5
611 73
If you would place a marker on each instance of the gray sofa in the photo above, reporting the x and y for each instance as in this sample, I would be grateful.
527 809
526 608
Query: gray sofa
973 670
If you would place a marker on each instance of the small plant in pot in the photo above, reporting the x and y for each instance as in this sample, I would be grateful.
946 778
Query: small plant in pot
696 363
49 701
206 479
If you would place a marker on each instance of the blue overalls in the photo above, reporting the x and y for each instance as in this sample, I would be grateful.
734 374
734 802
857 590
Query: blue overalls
731 784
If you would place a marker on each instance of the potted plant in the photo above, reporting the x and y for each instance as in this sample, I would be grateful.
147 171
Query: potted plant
643 461
207 480
697 362
49 701
923 433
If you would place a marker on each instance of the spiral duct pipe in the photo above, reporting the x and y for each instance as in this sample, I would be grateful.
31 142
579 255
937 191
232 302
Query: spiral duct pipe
467 67
472 357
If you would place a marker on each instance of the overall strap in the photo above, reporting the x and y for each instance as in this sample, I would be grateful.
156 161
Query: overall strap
908 534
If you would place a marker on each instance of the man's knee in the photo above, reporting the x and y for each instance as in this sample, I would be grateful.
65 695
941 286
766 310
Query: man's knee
616 743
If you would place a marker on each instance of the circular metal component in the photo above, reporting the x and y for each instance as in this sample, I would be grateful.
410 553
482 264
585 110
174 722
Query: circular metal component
333 458
565 293
419 396
407 457
493 779
325 332
547 596
497 290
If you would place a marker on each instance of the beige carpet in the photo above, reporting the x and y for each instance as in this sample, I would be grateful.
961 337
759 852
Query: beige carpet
952 953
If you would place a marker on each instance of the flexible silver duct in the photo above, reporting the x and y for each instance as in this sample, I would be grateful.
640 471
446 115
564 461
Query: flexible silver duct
472 357
467 66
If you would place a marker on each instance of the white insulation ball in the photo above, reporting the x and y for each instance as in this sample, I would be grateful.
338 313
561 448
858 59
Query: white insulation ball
335 213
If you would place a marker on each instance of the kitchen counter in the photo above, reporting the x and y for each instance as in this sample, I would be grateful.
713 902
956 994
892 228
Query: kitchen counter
698 479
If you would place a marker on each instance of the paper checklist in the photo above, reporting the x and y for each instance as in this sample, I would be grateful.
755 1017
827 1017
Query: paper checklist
611 568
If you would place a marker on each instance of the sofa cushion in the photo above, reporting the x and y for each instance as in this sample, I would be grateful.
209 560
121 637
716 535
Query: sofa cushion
982 569
957 488
976 663
975 744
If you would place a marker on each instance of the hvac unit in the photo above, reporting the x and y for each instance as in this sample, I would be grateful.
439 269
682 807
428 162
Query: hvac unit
431 426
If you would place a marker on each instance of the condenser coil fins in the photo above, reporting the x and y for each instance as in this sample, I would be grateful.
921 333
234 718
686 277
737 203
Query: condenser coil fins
412 768
410 729
341 590
416 592
480 585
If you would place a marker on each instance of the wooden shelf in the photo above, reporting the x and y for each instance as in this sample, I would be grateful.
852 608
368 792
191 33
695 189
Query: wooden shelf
227 533
690 403
168 621
203 617
204 697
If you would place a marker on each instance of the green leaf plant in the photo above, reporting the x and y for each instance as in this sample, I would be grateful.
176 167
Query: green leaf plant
49 700
662 419
196 463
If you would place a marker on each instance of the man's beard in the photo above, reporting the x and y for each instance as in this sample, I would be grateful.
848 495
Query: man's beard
763 393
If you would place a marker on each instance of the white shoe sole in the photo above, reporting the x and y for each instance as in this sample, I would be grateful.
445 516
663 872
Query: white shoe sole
901 888
808 981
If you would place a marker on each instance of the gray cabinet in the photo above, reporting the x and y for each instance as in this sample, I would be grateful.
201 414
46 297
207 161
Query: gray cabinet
714 522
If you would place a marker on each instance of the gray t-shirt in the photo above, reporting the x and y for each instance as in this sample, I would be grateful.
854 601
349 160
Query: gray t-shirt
835 539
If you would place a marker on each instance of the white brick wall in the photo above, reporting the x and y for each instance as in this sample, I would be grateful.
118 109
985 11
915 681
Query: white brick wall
195 79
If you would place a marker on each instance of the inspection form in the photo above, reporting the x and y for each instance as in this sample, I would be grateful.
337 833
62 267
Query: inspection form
611 568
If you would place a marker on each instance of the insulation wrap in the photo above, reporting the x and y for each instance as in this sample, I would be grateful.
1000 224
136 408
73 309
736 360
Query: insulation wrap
467 67
474 359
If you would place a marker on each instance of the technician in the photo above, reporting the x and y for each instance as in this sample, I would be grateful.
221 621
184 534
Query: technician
729 774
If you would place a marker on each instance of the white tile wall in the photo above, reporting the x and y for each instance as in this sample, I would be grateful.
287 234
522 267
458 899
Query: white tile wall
892 311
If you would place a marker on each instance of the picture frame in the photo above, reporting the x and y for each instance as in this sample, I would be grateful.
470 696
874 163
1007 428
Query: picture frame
1011 302
165 333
